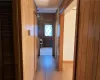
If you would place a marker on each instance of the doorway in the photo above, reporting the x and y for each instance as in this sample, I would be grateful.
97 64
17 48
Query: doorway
46 42
86 19
46 33
46 60
67 39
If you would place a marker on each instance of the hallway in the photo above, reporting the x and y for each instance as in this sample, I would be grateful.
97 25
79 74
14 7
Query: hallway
47 68
70 27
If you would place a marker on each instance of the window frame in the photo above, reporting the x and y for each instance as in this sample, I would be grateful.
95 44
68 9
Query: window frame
44 29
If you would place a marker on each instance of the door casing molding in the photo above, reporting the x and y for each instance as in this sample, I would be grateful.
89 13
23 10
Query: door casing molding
17 31
75 42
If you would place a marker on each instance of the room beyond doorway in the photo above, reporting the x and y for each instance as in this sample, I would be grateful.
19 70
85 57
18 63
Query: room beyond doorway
46 25
46 51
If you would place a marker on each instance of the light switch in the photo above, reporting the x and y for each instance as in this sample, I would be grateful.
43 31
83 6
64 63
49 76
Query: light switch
29 32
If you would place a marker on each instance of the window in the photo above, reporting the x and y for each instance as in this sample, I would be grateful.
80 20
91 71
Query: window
48 30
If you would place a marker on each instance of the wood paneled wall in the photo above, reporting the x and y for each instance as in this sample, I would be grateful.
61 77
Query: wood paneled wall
28 24
46 18
88 42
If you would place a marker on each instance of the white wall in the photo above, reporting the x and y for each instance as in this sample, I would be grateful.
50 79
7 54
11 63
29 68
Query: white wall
69 32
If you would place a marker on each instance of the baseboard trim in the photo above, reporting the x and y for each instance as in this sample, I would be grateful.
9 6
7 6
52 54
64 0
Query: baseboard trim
67 61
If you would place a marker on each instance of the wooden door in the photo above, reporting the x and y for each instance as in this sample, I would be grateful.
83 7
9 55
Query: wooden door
7 66
47 40
46 19
88 41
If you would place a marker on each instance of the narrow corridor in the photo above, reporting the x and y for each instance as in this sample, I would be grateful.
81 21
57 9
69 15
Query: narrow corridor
67 31
47 68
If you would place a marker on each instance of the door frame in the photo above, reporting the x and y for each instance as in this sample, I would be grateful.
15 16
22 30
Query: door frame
76 39
60 66
75 42
17 31
18 41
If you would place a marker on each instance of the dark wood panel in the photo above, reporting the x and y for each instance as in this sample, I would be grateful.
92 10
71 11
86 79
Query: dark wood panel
88 46
6 30
97 40
17 35
46 19
78 73
47 41
0 54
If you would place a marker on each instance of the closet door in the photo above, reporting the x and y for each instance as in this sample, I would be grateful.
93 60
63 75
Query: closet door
6 42
0 54
88 42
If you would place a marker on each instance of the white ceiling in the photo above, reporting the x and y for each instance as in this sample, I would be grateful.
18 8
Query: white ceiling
47 6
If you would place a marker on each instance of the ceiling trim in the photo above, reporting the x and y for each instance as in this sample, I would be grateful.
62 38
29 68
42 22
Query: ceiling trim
46 10
64 5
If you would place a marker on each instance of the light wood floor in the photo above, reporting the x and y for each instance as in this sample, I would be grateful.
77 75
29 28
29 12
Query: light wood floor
47 69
